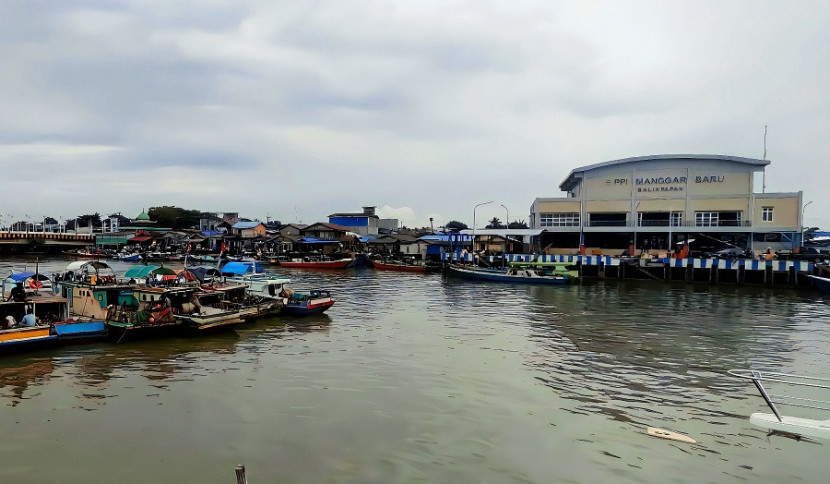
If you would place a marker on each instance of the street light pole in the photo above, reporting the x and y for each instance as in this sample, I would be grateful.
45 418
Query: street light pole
474 223
802 221
507 215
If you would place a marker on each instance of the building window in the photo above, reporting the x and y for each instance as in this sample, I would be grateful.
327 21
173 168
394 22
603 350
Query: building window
559 220
706 219
766 214
676 219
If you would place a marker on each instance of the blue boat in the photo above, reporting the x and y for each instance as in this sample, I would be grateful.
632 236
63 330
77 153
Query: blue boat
53 323
304 303
520 275
821 283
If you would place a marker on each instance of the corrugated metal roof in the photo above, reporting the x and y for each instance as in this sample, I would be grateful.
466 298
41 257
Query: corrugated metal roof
246 225
570 181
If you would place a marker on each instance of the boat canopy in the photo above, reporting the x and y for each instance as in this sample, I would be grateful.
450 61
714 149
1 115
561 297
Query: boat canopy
240 268
203 272
20 276
139 272
86 264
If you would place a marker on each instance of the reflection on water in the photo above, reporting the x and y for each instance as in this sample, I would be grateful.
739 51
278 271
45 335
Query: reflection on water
419 378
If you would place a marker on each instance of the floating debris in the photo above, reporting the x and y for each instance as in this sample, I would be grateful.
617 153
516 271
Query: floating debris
668 434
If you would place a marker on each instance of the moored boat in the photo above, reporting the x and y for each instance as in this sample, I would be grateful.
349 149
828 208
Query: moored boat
404 265
522 275
321 263
311 302
821 283
53 323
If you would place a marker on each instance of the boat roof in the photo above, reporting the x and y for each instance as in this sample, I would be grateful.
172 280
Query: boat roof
239 268
144 271
81 264
260 278
20 276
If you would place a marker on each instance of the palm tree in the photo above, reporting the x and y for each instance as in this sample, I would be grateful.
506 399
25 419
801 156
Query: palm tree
494 224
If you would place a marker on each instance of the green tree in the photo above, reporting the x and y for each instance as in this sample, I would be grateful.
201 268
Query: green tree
455 225
495 223
517 224
174 217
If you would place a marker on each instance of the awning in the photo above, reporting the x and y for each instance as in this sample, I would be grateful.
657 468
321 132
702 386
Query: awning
85 264
140 238
241 268
138 272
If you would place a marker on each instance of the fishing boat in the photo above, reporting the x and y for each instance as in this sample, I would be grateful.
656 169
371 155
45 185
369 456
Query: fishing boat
304 303
318 263
821 283
88 253
163 310
31 281
511 274
54 325
404 265
807 395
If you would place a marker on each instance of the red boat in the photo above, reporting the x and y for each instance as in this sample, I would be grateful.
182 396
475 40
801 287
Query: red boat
403 266
318 264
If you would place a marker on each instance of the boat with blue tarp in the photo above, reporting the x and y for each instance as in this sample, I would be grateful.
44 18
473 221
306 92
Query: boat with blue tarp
53 324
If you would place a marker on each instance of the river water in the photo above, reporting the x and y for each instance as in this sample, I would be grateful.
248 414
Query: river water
418 378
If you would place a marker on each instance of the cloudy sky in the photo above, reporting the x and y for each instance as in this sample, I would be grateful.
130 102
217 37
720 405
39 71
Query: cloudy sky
296 110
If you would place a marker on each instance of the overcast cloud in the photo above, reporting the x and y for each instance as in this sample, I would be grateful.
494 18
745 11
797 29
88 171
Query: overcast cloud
296 110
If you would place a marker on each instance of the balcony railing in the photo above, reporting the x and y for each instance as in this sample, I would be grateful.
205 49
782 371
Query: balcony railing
665 223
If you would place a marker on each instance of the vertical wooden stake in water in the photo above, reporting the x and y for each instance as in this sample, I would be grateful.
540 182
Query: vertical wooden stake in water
240 475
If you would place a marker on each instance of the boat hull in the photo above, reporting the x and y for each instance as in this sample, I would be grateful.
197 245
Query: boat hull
310 308
821 283
807 427
499 276
333 264
392 266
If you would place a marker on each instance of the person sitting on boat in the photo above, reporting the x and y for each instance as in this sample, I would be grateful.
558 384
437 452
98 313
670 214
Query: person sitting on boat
17 294
10 322
29 318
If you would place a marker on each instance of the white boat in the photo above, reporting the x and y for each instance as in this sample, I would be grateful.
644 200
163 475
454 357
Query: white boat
808 394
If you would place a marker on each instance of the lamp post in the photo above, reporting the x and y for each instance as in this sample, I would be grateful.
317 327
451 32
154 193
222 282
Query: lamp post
802 221
474 223
507 217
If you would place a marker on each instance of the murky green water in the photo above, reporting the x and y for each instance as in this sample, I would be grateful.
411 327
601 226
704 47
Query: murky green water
413 378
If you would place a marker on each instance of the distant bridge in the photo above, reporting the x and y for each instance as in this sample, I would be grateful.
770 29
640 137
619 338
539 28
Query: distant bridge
15 241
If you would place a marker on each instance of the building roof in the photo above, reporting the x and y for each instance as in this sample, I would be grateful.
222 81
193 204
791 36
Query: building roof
246 225
504 232
355 215
572 180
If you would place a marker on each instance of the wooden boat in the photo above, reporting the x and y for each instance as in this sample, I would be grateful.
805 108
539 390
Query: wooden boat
794 390
89 253
404 265
821 283
309 263
54 326
160 310
522 275
311 302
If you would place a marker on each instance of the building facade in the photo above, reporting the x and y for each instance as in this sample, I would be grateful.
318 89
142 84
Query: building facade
659 202
365 223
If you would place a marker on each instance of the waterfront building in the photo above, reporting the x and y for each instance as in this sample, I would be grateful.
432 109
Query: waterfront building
661 202
363 223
